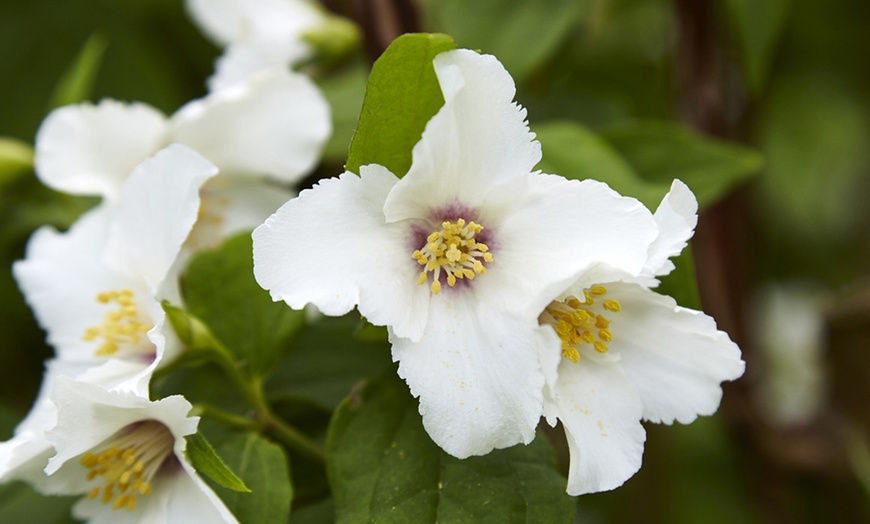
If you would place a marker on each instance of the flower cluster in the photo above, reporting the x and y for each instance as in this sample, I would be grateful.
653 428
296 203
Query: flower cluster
169 186
508 294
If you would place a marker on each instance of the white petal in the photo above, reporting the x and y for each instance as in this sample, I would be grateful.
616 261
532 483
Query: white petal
88 415
220 20
676 218
477 139
241 61
274 124
330 247
91 149
600 411
477 374
675 357
159 205
192 500
546 230
61 276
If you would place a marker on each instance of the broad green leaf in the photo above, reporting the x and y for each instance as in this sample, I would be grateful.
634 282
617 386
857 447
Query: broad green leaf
510 30
16 157
78 81
219 288
577 153
20 503
326 361
815 134
344 91
383 467
757 26
402 94
207 462
263 466
660 152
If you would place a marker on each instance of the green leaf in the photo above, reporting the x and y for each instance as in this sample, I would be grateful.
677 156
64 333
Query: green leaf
383 467
402 94
206 461
77 82
681 283
510 30
16 157
20 503
344 92
326 361
757 27
263 466
219 288
661 151
576 153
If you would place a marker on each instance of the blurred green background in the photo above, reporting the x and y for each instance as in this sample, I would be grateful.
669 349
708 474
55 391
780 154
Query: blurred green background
787 78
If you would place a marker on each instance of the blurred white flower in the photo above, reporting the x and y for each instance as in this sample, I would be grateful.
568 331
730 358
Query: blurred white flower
457 258
789 330
270 128
127 454
96 291
629 354
256 34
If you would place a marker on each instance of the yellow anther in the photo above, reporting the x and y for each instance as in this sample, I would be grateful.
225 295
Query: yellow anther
579 321
454 250
125 467
612 305
121 327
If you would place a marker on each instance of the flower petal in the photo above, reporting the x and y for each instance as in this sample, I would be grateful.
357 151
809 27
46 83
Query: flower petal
274 124
61 276
220 20
676 218
91 149
477 139
330 247
242 60
159 205
477 374
675 357
87 415
600 411
546 230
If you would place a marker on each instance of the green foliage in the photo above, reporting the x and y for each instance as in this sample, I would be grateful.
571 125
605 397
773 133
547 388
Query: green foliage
207 462
507 29
219 288
77 83
20 503
757 27
383 467
263 466
16 158
659 152
344 92
402 94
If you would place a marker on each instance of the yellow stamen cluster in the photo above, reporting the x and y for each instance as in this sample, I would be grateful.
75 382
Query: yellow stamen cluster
577 322
121 326
128 463
454 251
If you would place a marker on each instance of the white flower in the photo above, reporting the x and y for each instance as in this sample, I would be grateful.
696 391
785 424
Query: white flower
96 289
457 258
790 331
257 34
627 354
127 454
272 126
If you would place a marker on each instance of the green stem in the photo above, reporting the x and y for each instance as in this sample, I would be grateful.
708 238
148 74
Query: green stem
228 419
